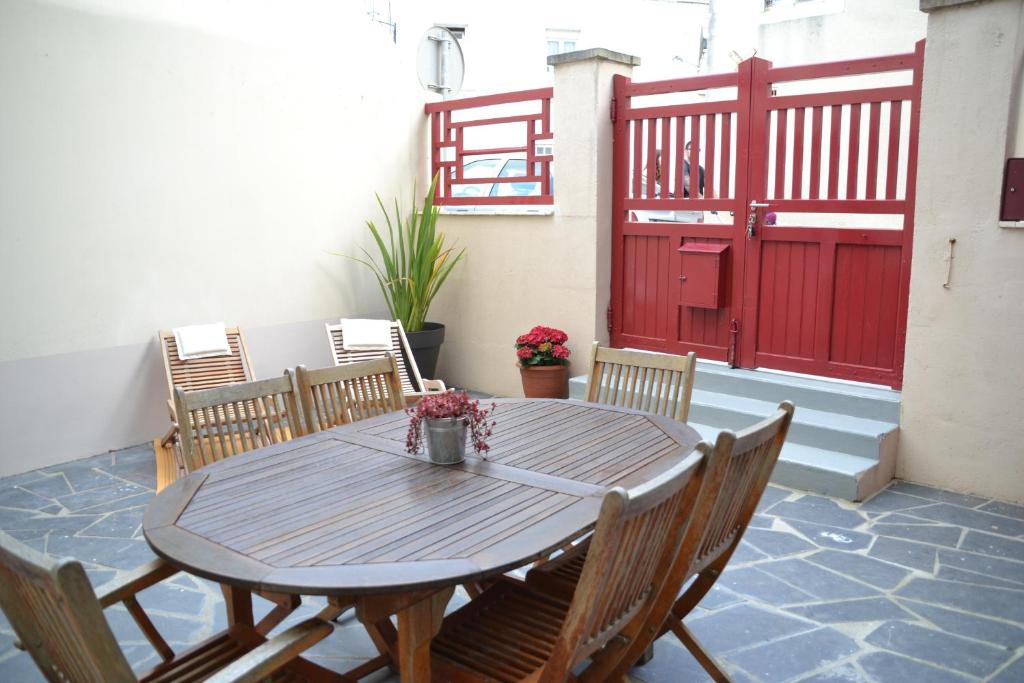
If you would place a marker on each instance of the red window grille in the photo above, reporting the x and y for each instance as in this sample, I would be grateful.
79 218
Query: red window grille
493 150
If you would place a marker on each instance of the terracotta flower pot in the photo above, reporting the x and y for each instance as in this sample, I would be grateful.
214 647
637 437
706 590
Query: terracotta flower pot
545 381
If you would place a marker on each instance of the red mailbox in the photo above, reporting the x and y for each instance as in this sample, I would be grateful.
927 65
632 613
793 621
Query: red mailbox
702 271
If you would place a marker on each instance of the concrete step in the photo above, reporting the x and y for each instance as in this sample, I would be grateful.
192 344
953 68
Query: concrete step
832 431
843 438
830 473
847 398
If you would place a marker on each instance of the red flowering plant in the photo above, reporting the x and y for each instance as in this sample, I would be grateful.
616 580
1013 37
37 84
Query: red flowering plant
450 403
543 346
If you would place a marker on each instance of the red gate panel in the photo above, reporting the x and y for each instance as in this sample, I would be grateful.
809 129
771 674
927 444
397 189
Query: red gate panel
823 288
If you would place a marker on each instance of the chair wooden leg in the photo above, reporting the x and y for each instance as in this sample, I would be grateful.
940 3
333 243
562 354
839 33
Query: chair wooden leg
647 656
238 603
687 638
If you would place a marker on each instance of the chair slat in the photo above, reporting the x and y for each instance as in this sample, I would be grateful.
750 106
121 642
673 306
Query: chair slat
411 381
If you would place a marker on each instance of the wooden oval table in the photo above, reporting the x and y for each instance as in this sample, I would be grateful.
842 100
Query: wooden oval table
347 513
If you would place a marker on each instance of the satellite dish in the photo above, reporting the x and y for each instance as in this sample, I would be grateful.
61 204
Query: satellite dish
439 62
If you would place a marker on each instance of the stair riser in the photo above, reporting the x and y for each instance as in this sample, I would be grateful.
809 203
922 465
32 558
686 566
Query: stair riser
804 478
808 397
810 435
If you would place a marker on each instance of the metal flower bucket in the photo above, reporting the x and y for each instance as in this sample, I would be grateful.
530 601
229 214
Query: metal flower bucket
446 439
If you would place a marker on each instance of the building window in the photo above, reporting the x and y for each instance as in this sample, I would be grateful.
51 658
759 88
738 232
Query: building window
561 40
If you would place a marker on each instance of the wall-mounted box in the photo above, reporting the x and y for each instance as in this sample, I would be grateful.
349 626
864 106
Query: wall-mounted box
702 274
1012 207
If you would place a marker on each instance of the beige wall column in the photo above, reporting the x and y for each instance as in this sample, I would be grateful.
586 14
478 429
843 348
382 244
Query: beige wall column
963 393
526 270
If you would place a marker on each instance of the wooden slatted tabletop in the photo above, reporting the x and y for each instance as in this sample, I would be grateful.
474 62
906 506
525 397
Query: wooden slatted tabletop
348 512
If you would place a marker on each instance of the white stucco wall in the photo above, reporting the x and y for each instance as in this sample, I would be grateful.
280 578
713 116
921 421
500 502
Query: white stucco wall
168 162
964 379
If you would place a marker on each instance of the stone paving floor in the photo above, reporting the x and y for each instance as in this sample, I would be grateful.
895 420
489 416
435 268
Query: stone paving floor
917 584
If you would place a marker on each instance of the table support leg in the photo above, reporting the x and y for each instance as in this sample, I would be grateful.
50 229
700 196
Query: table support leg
238 603
417 625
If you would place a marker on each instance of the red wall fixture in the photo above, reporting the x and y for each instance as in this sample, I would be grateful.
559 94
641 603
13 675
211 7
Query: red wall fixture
702 272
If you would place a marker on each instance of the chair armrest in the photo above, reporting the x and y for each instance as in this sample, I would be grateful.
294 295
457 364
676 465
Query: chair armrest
140 578
274 654
431 386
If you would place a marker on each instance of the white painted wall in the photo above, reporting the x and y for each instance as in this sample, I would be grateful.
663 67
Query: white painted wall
168 162
964 380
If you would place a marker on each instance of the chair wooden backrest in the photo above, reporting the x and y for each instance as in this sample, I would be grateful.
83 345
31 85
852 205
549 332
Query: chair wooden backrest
749 457
206 373
412 382
350 392
55 613
637 537
226 421
657 383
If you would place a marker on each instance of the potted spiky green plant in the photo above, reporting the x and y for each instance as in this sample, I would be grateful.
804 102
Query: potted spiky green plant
413 262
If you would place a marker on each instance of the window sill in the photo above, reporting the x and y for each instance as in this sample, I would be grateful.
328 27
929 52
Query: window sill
498 211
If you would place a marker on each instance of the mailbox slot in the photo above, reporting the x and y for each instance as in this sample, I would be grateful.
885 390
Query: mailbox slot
702 274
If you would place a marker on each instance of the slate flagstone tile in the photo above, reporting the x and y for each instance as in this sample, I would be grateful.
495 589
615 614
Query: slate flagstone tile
935 534
83 475
886 667
719 597
960 654
1014 673
972 519
50 486
984 564
821 583
175 630
990 544
792 656
961 499
746 553
23 500
672 663
901 518
771 496
776 543
761 522
954 574
121 524
970 626
1006 509
742 626
983 600
139 500
167 597
832 537
906 553
889 500
20 668
844 673
121 554
64 524
862 609
754 583
817 510
875 572
115 491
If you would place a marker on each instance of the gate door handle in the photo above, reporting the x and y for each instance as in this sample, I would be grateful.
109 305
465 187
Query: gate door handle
752 218
759 205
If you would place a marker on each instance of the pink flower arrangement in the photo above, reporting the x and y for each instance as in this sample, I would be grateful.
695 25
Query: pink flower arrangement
543 346
456 404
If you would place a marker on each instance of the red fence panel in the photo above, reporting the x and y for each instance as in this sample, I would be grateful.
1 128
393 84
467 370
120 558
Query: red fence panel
493 149
830 151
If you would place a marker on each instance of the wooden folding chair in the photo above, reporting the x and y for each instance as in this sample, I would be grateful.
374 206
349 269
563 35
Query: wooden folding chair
413 385
657 383
190 375
58 619
225 421
512 632
350 392
737 472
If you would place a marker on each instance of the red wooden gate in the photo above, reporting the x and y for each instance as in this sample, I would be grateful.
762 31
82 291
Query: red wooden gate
795 252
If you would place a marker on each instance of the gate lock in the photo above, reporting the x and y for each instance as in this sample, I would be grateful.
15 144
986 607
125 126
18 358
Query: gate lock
752 218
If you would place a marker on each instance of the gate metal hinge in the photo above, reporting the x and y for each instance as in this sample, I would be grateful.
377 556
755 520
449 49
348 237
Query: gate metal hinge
613 112
609 316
